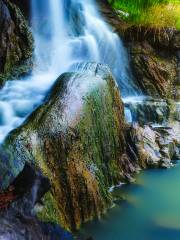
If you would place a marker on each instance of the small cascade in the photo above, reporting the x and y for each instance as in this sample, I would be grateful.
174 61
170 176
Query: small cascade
147 110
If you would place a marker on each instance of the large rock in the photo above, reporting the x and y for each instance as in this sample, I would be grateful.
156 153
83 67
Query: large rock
16 42
77 138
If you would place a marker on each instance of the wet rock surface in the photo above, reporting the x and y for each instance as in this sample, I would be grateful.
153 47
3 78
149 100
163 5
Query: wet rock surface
111 16
16 42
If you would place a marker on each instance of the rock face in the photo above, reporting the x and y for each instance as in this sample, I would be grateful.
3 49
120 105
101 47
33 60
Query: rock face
16 42
155 74
18 220
155 61
77 138
155 71
155 145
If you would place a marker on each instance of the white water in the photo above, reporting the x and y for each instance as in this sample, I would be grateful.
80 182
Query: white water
65 32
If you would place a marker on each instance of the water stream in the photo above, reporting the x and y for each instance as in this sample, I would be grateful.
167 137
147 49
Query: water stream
65 32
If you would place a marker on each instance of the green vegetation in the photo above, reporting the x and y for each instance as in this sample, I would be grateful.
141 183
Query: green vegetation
153 13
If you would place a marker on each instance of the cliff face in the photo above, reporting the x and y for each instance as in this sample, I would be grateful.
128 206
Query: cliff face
155 60
16 42
77 138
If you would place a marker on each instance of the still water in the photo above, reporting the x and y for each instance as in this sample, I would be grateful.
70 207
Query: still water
150 210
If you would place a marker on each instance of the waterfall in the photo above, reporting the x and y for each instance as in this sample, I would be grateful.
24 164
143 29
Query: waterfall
65 32
97 42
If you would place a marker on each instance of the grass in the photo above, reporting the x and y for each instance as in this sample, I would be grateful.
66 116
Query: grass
153 13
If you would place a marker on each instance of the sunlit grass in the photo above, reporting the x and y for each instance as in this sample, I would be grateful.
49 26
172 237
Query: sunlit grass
163 16
153 13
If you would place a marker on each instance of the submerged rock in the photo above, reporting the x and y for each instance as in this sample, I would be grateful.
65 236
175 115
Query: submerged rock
16 42
77 139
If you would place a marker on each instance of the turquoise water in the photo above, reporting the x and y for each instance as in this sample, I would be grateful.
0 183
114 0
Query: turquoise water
150 210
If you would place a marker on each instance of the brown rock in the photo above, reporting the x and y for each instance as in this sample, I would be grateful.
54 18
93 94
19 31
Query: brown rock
155 74
16 42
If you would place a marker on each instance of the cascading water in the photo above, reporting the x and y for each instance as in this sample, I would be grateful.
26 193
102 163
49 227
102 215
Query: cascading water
65 32
97 42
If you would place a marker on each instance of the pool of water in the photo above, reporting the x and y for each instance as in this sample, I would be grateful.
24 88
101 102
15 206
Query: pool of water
150 210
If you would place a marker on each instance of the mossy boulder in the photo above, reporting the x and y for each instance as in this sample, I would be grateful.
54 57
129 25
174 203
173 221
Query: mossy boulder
77 139
16 42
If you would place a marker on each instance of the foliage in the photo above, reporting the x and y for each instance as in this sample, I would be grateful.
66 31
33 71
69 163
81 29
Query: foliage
153 13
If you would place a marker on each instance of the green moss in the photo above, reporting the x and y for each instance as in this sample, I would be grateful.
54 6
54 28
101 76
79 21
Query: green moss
50 212
99 131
